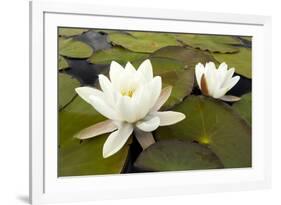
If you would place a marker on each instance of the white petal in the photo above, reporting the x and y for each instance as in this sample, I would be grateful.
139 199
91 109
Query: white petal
96 129
86 92
108 90
117 140
218 93
126 109
103 108
221 74
210 75
142 103
105 84
222 67
146 97
145 69
233 82
155 90
230 98
165 94
228 77
129 68
144 138
199 71
169 117
149 124
115 72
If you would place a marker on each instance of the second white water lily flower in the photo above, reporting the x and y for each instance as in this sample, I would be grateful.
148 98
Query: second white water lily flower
216 82
131 100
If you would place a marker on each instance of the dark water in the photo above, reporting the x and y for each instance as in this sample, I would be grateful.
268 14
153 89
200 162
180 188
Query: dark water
85 72
134 151
243 86
98 41
246 43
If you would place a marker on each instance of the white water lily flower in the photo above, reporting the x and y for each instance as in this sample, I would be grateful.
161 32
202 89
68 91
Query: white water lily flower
216 82
131 100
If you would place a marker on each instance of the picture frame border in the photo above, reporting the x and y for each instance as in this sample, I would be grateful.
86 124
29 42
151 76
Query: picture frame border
37 99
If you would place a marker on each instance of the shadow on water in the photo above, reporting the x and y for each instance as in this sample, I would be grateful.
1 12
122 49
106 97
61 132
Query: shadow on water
85 72
243 86
134 152
94 39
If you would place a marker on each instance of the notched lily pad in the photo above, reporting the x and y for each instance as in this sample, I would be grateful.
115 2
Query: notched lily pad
177 155
175 74
215 124
241 61
68 32
213 43
244 107
77 157
67 86
118 54
143 42
189 56
63 64
74 49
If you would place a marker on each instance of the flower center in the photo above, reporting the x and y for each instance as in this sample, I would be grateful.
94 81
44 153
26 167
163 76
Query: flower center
127 93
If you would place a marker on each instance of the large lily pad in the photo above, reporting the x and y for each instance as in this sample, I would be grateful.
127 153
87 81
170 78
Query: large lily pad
189 56
241 61
78 158
67 84
176 155
213 43
244 107
74 49
63 64
142 41
215 124
175 74
68 32
117 54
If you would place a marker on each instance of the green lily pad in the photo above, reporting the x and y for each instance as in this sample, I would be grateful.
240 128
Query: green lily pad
177 155
175 74
77 157
117 54
189 56
244 107
143 42
213 43
63 64
67 84
241 61
68 32
215 124
74 49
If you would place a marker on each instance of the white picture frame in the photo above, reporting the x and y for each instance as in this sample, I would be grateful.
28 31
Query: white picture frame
46 187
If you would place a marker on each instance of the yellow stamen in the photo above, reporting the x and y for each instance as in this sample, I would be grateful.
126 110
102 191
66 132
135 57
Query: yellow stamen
127 93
